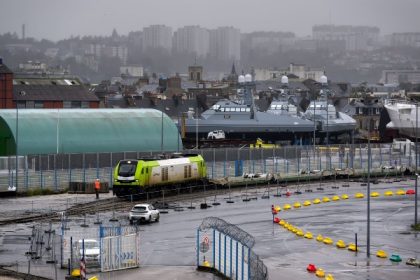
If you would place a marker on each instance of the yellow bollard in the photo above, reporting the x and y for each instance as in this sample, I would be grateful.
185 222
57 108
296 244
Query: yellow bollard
319 238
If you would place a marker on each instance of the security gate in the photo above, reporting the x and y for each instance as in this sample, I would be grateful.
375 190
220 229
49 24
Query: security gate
120 252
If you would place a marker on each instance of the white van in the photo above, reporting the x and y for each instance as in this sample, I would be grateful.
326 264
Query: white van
216 134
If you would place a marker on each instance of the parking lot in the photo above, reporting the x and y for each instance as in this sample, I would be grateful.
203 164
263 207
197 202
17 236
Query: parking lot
171 242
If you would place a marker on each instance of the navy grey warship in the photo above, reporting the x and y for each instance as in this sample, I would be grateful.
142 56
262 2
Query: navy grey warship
240 119
283 105
328 120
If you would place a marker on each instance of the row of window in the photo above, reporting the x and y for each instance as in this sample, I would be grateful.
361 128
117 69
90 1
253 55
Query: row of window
40 104
234 109
365 111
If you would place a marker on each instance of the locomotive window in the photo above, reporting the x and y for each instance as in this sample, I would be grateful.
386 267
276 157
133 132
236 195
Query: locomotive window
142 171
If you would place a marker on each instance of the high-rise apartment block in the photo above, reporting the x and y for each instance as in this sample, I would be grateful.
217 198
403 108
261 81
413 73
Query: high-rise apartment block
225 43
157 36
354 38
192 39
409 39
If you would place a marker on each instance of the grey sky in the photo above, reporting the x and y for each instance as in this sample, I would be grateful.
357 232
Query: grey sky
58 19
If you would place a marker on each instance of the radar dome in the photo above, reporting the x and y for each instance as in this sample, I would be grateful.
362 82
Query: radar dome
248 78
284 79
323 79
241 79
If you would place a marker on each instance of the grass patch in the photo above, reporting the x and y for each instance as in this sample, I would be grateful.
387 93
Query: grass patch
416 227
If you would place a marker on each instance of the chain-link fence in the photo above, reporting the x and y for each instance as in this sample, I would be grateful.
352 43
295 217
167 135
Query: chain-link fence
225 248
58 172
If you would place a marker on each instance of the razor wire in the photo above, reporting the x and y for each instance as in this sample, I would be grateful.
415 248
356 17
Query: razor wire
258 271
228 229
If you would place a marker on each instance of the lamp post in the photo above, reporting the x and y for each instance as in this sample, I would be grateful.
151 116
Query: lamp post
161 134
58 130
314 119
368 188
21 93
368 101
415 186
196 128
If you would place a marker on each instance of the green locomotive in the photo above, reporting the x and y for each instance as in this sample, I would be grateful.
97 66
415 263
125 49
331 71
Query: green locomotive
142 175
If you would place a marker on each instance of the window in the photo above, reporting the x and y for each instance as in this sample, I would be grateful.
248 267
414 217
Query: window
30 104
85 104
66 104
21 104
39 104
76 104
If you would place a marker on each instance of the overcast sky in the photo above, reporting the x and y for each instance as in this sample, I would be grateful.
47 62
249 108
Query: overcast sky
58 19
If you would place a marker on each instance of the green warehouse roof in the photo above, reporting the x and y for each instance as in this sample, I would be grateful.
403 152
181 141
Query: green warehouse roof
48 131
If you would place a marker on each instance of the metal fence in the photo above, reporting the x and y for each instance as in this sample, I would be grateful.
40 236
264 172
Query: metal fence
225 248
56 172
105 248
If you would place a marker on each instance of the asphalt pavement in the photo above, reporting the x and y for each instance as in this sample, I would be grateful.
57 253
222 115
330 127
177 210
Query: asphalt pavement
168 247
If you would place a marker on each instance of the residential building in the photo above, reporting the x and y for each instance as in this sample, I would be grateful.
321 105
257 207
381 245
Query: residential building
157 36
43 91
99 50
192 39
355 37
400 76
266 42
6 87
48 92
33 67
225 43
130 70
301 71
410 39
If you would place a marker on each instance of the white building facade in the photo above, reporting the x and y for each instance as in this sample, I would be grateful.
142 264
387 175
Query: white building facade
225 43
157 36
192 39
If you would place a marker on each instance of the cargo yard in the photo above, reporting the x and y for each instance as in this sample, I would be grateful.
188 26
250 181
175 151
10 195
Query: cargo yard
277 246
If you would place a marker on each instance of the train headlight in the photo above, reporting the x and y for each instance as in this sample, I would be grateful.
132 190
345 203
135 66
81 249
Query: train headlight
137 180
115 180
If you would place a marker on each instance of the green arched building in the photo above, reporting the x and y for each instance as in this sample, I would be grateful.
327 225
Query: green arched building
50 131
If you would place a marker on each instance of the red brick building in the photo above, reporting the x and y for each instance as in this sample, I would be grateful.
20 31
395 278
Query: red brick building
43 91
6 87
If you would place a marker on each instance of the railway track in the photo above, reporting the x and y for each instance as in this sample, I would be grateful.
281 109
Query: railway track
167 199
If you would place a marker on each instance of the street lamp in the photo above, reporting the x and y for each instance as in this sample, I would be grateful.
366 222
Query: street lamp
368 101
415 185
21 93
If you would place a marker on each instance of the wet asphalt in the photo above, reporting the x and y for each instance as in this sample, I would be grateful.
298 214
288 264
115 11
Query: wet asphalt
168 247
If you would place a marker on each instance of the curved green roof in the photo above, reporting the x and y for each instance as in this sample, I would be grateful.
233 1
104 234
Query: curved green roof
49 131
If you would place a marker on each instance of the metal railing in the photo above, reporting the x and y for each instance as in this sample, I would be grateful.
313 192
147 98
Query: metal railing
56 172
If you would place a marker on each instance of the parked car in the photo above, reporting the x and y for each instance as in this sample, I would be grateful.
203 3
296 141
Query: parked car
143 213
92 250
216 134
